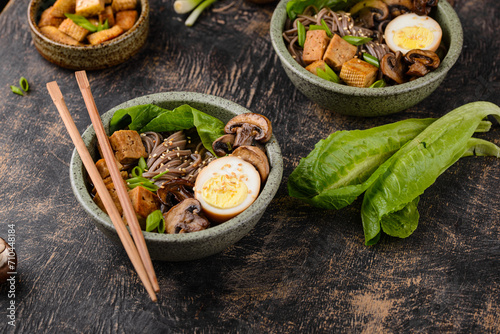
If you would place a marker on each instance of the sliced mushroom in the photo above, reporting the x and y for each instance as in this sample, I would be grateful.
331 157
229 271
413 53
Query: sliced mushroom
175 191
369 10
256 157
8 260
249 127
393 67
424 7
185 218
399 7
223 145
422 62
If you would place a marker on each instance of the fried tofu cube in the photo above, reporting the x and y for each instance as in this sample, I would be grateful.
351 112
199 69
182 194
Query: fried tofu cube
58 36
315 45
126 19
63 6
104 35
119 5
114 195
89 8
47 19
103 168
144 202
358 73
123 174
107 14
128 146
338 52
73 30
314 66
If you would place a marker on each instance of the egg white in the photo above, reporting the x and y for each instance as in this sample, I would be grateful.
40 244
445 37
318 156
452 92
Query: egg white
412 20
229 165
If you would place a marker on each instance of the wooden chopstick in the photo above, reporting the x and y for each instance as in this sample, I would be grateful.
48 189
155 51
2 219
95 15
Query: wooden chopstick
128 210
122 231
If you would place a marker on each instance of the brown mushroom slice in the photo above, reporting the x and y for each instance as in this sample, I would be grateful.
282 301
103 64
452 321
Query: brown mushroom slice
223 145
185 218
393 67
399 7
422 62
8 260
249 127
256 157
175 191
369 10
423 7
417 70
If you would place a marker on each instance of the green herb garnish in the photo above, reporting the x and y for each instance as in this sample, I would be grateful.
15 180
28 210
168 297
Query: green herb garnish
16 90
154 221
328 74
378 84
328 31
356 40
301 34
24 84
104 26
81 21
371 59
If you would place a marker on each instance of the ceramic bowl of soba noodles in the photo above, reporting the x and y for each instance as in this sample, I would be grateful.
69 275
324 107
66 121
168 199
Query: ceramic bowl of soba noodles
366 58
195 190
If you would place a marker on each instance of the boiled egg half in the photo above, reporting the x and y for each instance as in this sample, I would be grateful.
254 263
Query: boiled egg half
226 187
411 31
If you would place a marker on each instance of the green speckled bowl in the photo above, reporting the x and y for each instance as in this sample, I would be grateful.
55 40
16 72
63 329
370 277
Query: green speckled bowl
191 246
96 57
369 101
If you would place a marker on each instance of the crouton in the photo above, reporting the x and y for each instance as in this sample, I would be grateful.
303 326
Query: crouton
126 19
358 73
114 195
73 30
338 52
119 5
89 8
144 202
47 19
127 145
63 6
314 66
108 15
315 45
58 36
104 35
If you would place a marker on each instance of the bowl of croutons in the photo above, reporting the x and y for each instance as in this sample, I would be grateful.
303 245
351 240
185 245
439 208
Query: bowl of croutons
88 34
366 57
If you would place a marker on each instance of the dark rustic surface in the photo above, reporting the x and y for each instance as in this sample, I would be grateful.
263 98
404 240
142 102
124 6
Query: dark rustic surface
301 269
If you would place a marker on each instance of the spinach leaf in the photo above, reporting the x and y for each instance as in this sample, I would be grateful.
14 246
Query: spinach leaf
135 117
296 7
340 167
416 166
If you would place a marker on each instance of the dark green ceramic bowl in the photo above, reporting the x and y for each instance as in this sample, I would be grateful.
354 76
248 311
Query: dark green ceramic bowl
369 101
189 246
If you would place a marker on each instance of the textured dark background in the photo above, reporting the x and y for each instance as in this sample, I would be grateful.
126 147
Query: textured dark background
300 269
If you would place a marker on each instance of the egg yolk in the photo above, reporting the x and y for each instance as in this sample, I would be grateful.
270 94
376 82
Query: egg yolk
224 191
413 38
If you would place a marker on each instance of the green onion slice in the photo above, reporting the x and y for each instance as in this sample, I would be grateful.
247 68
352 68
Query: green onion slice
315 27
332 74
355 40
16 90
378 84
371 59
24 84
160 175
81 21
301 34
154 221
136 171
328 31
142 164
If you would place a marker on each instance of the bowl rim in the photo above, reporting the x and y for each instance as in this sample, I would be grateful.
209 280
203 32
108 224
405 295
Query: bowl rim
36 30
256 208
456 43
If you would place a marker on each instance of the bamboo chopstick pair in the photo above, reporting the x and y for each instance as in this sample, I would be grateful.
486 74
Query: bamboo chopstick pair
138 252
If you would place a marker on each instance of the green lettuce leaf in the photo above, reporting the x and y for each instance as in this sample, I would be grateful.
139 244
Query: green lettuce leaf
296 7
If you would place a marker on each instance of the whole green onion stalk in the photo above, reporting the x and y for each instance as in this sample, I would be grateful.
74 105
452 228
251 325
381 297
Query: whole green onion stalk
197 12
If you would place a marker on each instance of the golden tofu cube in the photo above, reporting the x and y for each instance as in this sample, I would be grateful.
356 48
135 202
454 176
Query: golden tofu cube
126 19
63 6
144 202
315 45
57 36
103 168
89 8
47 19
123 174
338 52
119 5
358 73
107 14
314 66
127 145
105 35
73 30
114 195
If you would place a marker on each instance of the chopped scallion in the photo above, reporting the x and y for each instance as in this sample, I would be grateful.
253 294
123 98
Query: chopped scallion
160 175
371 59
24 84
154 221
81 21
301 34
355 40
328 31
16 90
378 84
